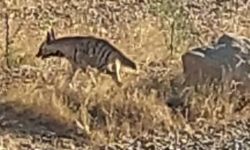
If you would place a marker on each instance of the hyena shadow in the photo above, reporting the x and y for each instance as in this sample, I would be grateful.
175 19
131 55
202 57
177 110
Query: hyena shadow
19 119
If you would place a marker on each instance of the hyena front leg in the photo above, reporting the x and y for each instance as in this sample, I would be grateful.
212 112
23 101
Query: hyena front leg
86 68
73 72
70 75
83 62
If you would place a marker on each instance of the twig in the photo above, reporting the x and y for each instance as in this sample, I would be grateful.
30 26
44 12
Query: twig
172 38
7 39
16 32
236 14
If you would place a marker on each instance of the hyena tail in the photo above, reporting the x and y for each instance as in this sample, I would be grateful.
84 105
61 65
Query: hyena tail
127 62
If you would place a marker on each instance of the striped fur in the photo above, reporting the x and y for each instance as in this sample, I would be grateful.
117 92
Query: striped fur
84 51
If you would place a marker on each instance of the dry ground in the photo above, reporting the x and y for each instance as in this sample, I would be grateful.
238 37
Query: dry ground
38 110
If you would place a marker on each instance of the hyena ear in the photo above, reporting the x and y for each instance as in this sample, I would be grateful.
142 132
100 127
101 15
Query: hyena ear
48 38
52 34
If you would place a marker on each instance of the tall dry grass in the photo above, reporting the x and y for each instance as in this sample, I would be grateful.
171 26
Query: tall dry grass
101 110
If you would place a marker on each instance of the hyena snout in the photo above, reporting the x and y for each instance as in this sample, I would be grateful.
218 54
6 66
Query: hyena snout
40 55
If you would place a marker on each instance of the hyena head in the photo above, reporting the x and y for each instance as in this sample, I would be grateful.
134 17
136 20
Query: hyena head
45 50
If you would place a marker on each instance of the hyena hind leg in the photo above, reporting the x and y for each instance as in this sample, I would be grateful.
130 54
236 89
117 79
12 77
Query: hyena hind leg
117 70
107 69
114 69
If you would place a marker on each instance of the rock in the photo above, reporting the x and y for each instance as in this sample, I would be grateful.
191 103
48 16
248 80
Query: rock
227 59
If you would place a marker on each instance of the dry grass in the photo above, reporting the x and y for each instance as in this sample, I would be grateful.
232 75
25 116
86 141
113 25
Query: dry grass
105 112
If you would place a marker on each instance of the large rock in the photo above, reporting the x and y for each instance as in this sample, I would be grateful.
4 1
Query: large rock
227 58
